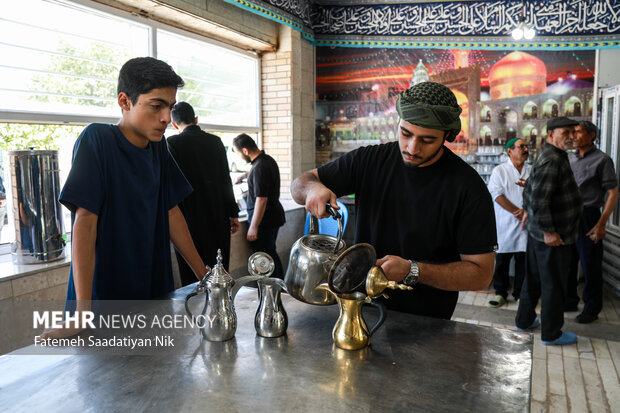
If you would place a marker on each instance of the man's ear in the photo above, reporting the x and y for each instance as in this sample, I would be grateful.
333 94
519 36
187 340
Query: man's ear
124 101
196 120
245 151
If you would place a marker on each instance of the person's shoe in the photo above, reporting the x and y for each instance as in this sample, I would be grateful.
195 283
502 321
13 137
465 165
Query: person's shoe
534 324
497 301
565 339
585 318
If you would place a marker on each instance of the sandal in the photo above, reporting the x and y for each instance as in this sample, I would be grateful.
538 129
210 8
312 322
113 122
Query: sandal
497 301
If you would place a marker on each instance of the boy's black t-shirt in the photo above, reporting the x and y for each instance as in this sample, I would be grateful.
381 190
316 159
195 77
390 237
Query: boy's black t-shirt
264 181
430 214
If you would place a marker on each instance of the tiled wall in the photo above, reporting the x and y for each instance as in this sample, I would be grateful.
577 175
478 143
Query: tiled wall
46 285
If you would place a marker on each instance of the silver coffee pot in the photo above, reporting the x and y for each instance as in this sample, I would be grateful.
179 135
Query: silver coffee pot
270 319
218 320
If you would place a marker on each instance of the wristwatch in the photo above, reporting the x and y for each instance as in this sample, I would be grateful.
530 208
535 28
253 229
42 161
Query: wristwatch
414 274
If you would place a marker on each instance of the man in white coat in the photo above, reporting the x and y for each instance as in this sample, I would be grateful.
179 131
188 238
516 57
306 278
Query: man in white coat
506 188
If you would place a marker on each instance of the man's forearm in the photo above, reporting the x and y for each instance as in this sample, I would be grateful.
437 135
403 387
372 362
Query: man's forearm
302 184
259 211
182 240
464 275
506 204
610 204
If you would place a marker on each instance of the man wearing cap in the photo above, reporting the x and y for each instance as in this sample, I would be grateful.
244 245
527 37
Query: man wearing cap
506 188
552 205
596 178
426 212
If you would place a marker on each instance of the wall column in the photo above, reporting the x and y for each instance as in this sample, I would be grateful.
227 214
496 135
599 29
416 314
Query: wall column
288 95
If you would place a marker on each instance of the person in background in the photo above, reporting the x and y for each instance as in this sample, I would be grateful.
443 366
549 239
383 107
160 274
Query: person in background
427 213
123 191
210 211
265 213
552 205
596 179
505 186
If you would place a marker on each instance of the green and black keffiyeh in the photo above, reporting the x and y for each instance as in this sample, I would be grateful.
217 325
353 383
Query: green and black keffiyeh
430 105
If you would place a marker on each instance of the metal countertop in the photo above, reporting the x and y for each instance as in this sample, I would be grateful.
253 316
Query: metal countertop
414 364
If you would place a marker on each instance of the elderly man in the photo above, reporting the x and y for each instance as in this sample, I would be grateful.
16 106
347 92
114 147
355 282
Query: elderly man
596 178
427 213
506 188
552 205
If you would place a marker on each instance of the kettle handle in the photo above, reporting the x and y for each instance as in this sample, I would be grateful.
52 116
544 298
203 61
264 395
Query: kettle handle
240 282
190 295
314 225
382 314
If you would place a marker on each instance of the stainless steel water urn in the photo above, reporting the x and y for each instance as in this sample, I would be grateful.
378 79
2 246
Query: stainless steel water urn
35 188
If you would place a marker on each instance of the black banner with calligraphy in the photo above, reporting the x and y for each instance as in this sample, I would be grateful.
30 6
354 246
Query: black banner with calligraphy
577 24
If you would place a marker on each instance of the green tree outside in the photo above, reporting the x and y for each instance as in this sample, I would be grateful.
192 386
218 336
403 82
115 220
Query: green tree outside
88 79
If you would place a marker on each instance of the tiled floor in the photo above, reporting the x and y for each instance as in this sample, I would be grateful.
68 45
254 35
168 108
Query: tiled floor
576 378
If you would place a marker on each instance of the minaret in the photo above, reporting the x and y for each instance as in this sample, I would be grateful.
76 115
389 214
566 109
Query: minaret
420 74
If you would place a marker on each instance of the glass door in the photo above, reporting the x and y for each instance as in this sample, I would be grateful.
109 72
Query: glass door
610 135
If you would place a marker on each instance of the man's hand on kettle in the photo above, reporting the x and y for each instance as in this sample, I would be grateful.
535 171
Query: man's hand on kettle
234 225
394 267
316 201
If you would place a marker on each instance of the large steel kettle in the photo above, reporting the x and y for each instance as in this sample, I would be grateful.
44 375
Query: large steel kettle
310 261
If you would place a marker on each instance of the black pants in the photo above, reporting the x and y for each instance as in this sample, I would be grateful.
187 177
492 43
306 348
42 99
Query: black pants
501 278
266 242
546 278
591 257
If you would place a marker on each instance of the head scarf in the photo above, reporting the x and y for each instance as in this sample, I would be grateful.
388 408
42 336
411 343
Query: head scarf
430 105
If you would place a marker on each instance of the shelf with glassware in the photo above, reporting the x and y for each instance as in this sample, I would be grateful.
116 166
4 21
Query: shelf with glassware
487 158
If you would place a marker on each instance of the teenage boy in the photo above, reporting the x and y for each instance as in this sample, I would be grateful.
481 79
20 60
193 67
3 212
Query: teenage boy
123 190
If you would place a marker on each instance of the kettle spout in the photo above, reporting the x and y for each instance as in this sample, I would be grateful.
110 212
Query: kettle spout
325 287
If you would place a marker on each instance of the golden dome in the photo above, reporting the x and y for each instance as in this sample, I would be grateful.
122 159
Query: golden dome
517 74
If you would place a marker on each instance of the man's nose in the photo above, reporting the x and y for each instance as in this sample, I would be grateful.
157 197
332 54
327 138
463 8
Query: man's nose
411 147
166 117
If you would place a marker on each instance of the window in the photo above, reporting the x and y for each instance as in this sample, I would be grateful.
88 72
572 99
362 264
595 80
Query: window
60 58
220 84
59 70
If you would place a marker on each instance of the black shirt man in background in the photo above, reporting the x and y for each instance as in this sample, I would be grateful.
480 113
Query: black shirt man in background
265 213
210 211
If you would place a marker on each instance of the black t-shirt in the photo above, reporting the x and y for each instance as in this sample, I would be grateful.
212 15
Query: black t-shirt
430 214
264 181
